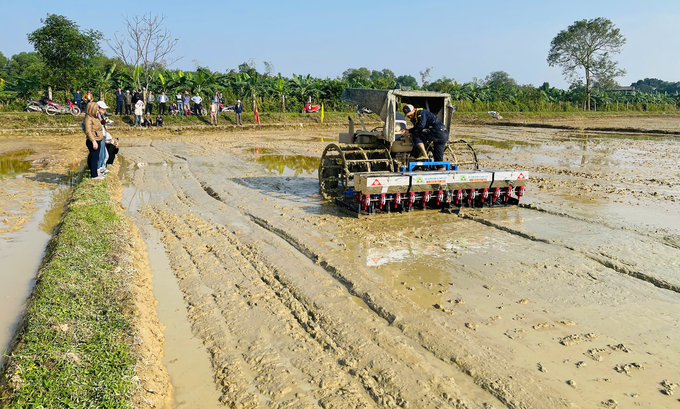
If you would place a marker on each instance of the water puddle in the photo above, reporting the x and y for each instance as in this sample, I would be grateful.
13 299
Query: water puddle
22 252
13 163
287 165
184 355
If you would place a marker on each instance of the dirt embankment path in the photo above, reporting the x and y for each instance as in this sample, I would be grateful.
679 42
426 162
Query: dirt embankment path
569 301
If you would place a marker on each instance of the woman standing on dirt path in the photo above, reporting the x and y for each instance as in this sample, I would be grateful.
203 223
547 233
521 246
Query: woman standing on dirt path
93 132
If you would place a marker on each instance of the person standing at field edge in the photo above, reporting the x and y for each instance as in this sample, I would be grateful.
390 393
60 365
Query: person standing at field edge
162 103
78 100
139 111
93 133
198 104
149 103
128 103
185 101
426 127
238 109
120 98
180 103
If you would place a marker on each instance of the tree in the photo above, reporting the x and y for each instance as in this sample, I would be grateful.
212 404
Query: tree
499 78
64 48
3 65
425 76
357 77
588 44
407 81
147 48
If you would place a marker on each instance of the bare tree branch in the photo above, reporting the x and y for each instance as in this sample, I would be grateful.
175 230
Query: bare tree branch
147 47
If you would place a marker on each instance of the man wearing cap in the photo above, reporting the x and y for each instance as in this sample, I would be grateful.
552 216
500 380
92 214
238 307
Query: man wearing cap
238 108
426 127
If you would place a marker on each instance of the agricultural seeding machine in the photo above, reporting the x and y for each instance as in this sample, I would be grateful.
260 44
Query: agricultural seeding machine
376 170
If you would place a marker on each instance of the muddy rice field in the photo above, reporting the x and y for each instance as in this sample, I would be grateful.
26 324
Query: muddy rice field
273 298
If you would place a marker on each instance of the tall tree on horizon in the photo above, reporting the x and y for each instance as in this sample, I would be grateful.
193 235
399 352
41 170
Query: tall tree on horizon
588 44
64 49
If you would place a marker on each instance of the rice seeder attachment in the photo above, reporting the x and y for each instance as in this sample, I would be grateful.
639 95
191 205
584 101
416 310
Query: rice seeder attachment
368 171
447 190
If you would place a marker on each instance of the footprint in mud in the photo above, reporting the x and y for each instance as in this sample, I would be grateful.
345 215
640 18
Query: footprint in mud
627 368
543 326
619 347
576 339
597 354
516 333
471 326
610 404
668 388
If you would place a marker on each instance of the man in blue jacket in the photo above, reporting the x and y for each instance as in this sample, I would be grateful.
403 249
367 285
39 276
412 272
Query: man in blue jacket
119 102
426 127
78 100
238 108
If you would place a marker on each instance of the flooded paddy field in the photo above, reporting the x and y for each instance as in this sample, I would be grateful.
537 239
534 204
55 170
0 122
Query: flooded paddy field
569 300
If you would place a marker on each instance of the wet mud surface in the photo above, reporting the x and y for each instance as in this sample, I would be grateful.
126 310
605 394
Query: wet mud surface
569 300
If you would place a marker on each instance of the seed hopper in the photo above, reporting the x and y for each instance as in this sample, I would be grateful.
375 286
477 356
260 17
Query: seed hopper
375 170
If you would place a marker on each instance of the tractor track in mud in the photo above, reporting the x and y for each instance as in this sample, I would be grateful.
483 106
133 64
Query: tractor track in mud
289 323
601 258
383 378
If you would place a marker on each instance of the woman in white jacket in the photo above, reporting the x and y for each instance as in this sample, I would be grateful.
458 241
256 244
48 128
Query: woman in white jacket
139 111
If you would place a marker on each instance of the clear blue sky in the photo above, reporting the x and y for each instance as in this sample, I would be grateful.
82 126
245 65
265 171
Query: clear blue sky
458 39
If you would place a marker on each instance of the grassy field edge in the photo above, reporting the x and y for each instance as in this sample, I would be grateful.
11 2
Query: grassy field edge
89 337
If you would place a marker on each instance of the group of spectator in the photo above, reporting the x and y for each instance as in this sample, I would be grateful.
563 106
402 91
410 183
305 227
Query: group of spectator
135 103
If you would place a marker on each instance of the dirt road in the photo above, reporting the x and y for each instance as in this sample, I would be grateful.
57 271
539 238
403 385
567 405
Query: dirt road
568 301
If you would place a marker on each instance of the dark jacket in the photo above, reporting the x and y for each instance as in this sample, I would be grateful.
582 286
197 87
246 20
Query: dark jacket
238 108
119 96
77 97
425 119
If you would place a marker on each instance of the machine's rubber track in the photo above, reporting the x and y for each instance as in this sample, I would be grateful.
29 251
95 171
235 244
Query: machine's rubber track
340 162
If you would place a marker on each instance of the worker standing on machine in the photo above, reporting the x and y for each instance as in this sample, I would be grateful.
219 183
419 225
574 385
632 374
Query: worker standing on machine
426 127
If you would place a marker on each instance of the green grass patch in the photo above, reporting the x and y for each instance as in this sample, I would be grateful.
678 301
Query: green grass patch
74 344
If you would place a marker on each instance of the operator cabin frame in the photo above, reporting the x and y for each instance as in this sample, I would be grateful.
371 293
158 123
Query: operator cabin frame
385 103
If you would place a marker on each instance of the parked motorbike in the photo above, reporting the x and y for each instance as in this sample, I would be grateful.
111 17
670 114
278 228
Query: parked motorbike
227 108
33 105
53 108
75 110
309 108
